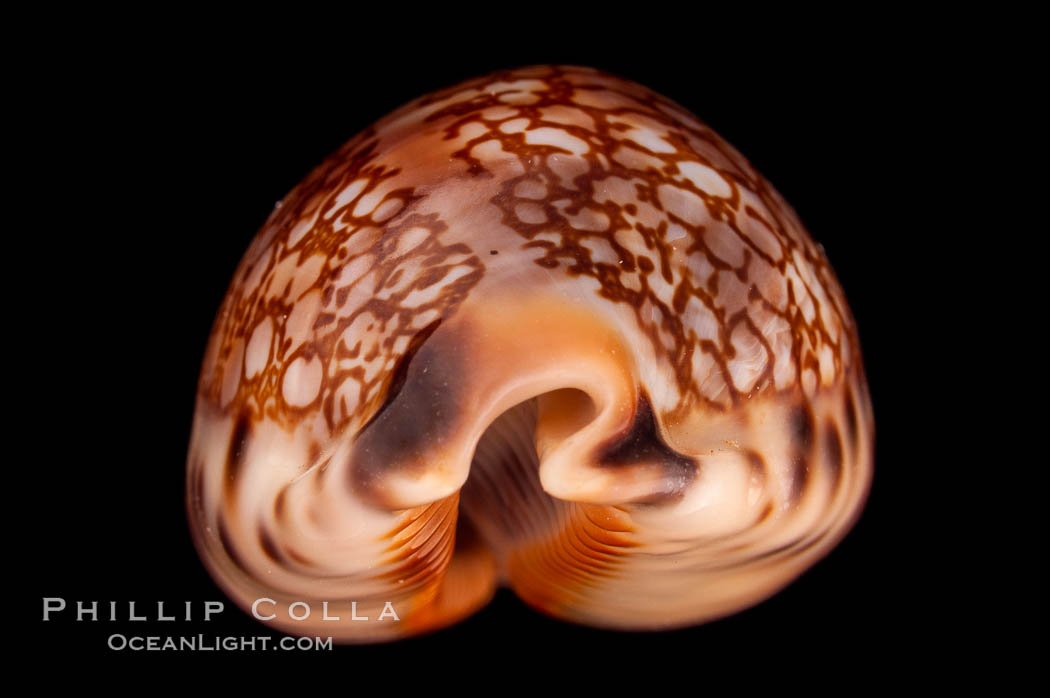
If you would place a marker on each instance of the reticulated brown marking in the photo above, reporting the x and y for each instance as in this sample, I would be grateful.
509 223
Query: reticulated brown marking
568 195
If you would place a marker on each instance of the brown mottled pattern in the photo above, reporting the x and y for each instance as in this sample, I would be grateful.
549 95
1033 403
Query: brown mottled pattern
569 210
749 268
313 225
543 328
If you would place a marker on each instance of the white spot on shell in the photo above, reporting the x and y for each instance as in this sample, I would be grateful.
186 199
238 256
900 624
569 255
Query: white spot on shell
567 168
570 116
301 320
705 179
530 213
368 203
635 159
347 195
472 130
514 126
387 209
498 113
649 140
549 236
725 244
530 189
410 239
300 229
600 249
258 353
684 204
302 381
558 138
518 97
488 151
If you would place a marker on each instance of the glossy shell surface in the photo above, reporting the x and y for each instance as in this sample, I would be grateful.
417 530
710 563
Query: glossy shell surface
542 329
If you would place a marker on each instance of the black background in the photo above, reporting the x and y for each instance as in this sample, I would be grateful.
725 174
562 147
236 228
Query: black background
158 161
